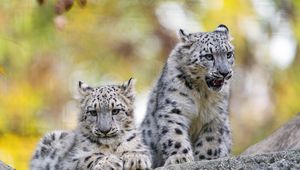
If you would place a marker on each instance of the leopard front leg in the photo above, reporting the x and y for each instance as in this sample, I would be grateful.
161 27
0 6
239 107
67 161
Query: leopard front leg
174 142
213 142
136 160
134 153
98 161
109 162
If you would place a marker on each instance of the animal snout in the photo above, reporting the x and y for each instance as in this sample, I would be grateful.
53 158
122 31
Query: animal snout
104 131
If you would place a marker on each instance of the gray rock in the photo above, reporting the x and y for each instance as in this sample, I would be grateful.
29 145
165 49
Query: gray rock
284 160
285 138
3 166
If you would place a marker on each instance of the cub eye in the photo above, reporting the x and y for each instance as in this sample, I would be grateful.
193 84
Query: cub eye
115 111
229 55
209 57
93 112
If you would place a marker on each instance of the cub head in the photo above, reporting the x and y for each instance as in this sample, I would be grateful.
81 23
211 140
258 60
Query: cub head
106 111
208 56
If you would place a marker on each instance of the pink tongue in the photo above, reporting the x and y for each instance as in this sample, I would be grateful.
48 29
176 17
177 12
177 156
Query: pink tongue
218 82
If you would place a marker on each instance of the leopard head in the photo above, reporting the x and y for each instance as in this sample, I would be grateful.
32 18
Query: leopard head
106 111
208 56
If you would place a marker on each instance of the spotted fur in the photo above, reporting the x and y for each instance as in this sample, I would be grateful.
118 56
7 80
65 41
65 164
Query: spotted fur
105 138
187 115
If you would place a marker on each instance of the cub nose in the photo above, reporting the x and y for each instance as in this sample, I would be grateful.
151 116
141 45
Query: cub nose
224 73
105 131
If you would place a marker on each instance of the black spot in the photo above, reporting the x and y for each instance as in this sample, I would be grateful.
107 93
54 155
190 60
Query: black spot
62 135
197 152
220 140
87 158
216 152
166 116
164 130
209 138
170 142
172 89
53 136
90 164
201 157
185 151
173 153
221 130
209 152
177 145
170 121
164 146
194 61
176 111
207 130
178 131
199 144
149 133
183 94
181 124
53 154
131 137
46 141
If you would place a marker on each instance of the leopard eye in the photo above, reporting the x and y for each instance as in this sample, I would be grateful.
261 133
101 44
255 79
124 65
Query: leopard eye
229 55
209 57
93 112
115 111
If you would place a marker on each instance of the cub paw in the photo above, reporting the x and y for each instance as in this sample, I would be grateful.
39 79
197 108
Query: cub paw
178 159
109 162
134 161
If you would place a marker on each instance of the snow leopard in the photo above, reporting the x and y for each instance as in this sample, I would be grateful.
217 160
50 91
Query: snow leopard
187 116
105 138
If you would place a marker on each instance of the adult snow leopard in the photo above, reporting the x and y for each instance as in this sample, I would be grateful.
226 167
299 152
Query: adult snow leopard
187 115
105 138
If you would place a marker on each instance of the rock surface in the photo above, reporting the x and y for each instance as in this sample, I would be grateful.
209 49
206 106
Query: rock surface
283 160
3 166
287 137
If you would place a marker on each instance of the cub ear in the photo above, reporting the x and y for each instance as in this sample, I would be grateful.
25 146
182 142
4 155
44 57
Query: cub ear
186 38
128 89
84 89
222 28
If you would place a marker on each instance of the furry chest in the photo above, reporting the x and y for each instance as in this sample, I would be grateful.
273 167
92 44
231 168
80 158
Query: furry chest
206 112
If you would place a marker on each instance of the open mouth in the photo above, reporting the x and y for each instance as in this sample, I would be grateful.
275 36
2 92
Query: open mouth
214 83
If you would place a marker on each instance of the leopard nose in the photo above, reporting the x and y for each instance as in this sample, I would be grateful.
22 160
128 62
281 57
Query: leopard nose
224 73
105 131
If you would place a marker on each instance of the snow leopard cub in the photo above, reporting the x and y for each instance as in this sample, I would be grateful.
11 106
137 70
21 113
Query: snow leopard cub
105 138
187 116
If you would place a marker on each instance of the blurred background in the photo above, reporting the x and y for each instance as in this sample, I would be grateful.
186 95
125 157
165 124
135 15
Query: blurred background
46 46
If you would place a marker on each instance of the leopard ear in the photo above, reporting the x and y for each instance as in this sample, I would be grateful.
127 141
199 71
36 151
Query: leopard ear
222 28
186 38
128 89
84 89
